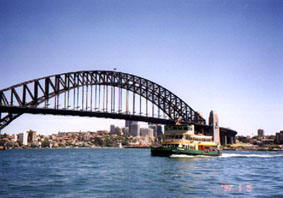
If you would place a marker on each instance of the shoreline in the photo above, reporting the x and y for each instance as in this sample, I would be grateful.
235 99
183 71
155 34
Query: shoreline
26 148
127 147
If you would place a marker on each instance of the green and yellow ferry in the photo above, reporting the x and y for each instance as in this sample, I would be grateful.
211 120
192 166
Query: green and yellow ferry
181 139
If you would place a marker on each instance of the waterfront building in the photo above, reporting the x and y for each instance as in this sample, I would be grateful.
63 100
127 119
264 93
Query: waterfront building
279 138
260 133
23 138
15 138
214 123
115 130
112 128
128 123
61 134
134 127
135 130
157 129
146 132
31 136
267 140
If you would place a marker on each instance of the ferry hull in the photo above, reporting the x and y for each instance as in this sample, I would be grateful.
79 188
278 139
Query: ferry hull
167 151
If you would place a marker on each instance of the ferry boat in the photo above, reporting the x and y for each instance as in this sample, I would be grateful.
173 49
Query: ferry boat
181 139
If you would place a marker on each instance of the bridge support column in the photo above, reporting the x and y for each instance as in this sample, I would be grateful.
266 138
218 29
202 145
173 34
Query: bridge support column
225 139
213 122
229 141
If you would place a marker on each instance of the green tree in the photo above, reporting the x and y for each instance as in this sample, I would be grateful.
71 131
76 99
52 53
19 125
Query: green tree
243 139
97 141
45 143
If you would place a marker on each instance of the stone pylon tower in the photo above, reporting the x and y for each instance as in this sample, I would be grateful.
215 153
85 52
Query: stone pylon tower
213 122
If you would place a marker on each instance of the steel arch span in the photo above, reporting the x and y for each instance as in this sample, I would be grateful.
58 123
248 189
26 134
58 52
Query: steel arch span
107 94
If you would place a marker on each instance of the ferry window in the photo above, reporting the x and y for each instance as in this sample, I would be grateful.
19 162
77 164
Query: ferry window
185 128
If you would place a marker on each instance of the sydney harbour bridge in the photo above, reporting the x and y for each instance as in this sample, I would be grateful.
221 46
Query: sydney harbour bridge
105 94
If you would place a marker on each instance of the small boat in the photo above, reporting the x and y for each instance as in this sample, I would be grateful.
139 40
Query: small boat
181 139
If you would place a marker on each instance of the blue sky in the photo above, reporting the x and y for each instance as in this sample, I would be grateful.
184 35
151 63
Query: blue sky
220 55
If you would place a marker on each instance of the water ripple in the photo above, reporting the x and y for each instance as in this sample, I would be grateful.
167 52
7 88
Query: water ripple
134 173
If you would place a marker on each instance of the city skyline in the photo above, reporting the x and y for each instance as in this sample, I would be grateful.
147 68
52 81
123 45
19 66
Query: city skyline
222 56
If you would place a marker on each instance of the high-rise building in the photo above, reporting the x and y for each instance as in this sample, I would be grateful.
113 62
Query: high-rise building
23 138
260 133
279 137
146 132
31 136
157 129
15 138
115 130
128 123
213 122
133 127
112 128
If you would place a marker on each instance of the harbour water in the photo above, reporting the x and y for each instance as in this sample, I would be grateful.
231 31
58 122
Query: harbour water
110 172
